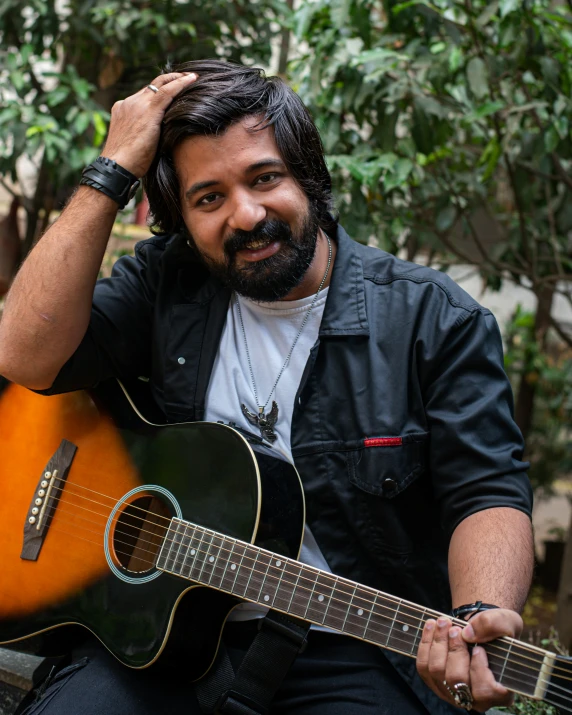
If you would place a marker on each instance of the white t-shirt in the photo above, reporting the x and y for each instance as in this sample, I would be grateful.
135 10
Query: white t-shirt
271 329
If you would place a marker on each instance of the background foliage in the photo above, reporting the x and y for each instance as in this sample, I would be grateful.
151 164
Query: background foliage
447 127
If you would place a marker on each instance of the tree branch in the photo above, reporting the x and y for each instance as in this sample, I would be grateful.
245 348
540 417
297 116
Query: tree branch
558 328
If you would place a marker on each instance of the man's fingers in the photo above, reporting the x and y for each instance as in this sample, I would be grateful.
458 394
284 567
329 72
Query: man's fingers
459 660
486 691
488 625
169 85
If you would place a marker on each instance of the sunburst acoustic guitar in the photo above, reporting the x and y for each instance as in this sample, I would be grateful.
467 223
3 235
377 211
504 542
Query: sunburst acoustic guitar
118 529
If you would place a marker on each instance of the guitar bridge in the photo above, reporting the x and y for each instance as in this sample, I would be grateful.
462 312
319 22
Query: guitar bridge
45 499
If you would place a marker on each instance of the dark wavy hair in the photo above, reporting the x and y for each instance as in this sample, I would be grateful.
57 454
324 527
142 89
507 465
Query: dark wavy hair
223 94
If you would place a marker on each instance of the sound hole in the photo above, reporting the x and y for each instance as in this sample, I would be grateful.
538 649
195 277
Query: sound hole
139 533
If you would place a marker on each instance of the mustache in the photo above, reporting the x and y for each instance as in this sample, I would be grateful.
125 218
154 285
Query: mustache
269 230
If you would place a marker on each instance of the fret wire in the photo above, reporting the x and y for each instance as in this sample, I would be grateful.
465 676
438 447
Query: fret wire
205 559
330 600
419 633
349 608
197 552
537 652
228 560
294 588
311 595
505 661
239 567
214 562
180 543
264 579
251 574
393 622
188 549
282 571
371 610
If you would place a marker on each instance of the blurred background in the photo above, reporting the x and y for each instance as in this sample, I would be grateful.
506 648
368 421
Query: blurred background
446 124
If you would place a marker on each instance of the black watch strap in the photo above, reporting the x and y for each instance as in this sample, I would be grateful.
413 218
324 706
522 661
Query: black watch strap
471 609
113 180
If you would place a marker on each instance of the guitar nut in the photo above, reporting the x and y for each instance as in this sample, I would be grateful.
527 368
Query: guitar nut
42 493
32 520
35 510
38 502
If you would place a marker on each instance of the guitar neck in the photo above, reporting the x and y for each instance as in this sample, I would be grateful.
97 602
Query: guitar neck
259 576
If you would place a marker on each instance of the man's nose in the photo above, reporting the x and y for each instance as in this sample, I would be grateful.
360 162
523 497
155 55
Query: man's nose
246 213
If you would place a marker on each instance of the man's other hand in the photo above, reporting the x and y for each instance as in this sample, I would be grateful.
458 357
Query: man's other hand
136 122
444 658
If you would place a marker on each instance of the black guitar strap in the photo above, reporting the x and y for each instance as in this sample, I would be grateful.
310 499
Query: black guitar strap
249 692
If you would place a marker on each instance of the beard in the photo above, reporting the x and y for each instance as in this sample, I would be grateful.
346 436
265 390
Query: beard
271 278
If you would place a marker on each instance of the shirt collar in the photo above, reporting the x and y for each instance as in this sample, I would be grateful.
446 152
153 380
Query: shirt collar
345 312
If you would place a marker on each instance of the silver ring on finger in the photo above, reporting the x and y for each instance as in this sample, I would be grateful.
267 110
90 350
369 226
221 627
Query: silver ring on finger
152 88
461 694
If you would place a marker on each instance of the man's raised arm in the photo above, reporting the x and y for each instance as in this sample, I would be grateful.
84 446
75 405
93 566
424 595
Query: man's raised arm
48 307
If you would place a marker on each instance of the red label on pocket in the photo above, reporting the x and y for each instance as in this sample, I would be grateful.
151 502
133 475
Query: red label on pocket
383 442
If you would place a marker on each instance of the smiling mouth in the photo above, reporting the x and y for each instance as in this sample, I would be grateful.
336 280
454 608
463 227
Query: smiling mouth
257 244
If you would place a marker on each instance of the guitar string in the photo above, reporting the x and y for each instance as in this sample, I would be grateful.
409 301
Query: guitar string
395 637
388 597
287 582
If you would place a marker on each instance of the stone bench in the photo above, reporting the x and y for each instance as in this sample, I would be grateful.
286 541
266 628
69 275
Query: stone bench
16 670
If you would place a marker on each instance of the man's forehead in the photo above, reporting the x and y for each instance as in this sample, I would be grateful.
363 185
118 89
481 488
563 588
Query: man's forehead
240 138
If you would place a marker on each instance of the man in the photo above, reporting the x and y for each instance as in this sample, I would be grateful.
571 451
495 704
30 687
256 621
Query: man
381 380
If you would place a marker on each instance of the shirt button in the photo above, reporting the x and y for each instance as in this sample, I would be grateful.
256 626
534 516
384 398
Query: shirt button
181 361
389 485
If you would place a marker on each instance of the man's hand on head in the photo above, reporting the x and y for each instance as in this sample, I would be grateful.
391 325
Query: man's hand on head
136 122
445 660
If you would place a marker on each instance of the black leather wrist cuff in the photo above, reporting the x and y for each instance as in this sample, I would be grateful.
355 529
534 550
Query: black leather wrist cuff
113 180
471 609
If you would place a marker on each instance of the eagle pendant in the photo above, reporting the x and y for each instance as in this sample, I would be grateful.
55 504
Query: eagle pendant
265 423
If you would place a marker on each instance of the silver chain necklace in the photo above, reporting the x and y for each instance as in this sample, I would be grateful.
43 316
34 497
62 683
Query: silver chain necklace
265 423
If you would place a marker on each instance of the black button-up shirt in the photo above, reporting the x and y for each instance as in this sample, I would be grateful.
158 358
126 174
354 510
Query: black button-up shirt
402 425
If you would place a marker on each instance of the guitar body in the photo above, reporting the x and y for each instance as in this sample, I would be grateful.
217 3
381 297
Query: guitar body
128 482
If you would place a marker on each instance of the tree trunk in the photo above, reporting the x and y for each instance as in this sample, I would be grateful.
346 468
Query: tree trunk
527 388
284 46
43 199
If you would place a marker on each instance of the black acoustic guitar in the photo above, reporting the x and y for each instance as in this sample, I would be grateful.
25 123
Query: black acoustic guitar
108 528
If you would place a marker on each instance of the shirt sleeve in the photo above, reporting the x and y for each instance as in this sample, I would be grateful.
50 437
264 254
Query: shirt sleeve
476 447
118 339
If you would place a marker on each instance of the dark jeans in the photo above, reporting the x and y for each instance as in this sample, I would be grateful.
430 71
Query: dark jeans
335 675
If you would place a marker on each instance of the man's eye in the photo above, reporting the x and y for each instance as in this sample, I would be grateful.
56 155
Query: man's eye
208 199
267 178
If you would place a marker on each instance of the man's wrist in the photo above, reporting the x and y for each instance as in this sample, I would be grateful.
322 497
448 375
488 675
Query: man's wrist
468 610
110 178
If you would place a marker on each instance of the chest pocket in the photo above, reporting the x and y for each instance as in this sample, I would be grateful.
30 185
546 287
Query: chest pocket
391 490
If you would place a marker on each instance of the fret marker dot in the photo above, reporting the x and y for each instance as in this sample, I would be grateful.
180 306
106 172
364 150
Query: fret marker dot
320 598
211 559
193 552
232 567
279 563
405 628
360 611
267 598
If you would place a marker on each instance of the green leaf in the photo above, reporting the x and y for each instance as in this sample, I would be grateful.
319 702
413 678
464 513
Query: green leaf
477 77
508 6
485 110
551 139
446 218
100 129
455 58
57 96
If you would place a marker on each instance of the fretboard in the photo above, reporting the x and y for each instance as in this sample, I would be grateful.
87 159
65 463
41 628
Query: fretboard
262 577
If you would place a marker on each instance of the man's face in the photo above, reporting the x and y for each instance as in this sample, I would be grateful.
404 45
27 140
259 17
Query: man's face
249 220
